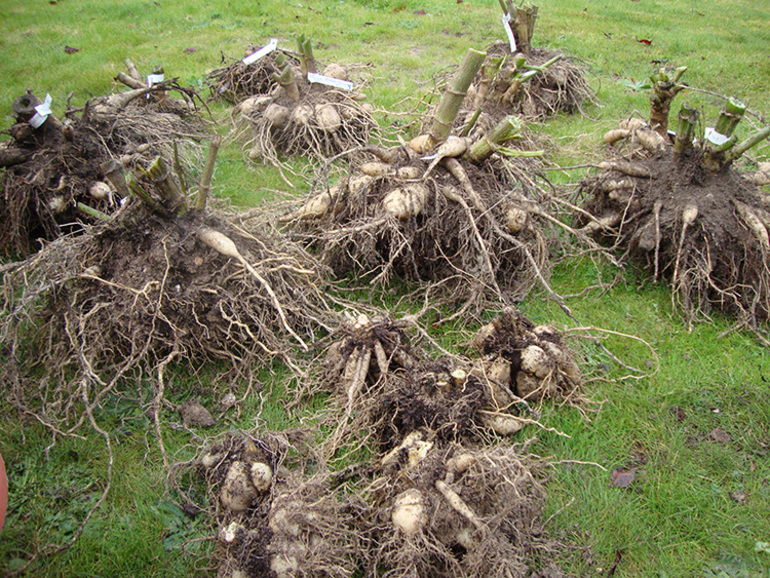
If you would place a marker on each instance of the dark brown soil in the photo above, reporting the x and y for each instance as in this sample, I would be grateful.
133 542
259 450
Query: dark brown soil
64 161
714 263
429 399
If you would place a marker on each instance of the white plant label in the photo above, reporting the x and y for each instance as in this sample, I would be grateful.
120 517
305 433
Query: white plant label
509 32
262 52
329 81
41 112
715 138
154 79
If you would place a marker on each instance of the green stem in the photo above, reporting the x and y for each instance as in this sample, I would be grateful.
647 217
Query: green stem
507 129
545 65
513 153
287 82
688 119
138 191
453 96
91 211
747 144
167 186
730 116
178 170
113 172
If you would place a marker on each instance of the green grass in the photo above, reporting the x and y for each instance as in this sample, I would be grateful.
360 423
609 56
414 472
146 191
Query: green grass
699 506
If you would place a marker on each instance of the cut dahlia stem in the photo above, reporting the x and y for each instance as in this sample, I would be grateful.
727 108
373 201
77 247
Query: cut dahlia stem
453 96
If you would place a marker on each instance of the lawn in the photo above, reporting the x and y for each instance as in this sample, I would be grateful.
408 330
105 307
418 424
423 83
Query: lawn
664 473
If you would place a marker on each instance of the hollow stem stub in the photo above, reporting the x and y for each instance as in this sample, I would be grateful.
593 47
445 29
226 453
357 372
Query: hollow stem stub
167 186
453 96
113 172
730 116
688 120
507 129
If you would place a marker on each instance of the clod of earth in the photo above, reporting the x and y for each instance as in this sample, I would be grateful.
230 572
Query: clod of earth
684 214
195 415
284 114
59 176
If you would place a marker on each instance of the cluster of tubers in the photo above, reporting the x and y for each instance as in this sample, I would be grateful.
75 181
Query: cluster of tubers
299 117
675 200
524 361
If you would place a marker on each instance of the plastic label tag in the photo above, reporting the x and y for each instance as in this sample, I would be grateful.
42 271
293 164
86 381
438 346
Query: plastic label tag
329 81
714 137
264 51
154 79
41 112
509 32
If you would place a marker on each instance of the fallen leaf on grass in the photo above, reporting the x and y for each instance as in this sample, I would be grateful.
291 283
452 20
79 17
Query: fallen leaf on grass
720 435
618 557
420 12
622 478
636 86
190 50
762 547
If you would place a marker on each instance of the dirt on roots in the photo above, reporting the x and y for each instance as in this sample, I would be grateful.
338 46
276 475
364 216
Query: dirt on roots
64 164
689 227
128 297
